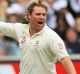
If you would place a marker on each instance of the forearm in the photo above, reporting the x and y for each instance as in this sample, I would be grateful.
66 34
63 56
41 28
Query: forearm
68 65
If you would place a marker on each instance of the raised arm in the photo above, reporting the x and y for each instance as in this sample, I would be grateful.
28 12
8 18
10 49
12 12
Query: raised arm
8 29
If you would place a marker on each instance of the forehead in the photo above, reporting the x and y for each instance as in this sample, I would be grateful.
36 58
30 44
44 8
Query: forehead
39 9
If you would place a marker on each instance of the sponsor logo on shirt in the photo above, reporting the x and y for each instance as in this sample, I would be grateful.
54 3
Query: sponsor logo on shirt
60 45
23 38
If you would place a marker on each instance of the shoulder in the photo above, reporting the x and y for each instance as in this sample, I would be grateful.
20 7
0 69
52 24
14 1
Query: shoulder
50 32
20 27
19 24
52 35
16 25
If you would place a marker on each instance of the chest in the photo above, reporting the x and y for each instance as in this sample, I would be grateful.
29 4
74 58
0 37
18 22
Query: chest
35 43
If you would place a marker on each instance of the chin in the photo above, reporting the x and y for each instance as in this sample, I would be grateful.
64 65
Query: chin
39 29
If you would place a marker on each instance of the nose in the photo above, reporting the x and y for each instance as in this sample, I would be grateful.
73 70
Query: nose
42 16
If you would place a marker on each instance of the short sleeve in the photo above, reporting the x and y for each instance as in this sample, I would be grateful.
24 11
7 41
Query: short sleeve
57 46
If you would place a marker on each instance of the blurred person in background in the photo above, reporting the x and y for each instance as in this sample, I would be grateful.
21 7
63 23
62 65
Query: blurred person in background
19 8
75 6
40 46
77 26
13 18
60 6
11 48
55 8
68 16
3 7
8 47
62 27
72 40
51 16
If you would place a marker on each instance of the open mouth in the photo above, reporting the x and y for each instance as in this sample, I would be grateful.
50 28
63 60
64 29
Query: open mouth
40 22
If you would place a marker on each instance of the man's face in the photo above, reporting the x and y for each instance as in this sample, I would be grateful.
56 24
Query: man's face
37 18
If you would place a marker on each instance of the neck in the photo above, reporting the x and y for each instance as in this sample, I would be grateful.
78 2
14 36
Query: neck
31 31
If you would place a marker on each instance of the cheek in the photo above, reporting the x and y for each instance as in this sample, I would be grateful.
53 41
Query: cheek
34 20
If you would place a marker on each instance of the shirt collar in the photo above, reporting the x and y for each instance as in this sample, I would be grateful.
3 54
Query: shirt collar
37 32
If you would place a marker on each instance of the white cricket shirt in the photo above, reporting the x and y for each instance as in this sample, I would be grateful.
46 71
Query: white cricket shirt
40 52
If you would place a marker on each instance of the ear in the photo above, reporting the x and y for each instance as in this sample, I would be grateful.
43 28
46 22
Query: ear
28 16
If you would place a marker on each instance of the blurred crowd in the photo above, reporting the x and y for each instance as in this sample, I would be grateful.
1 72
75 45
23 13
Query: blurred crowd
63 17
